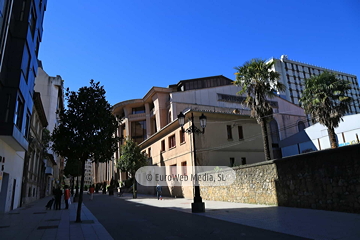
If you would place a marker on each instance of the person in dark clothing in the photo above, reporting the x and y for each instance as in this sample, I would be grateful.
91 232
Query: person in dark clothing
104 188
57 194
158 191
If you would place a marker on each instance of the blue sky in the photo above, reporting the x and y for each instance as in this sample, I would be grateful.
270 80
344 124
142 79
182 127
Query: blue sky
131 46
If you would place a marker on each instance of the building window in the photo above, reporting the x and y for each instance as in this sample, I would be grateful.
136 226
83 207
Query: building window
149 152
3 15
22 10
182 136
172 142
163 145
25 64
184 168
243 161
19 111
27 125
138 110
301 126
138 131
32 22
241 134
232 162
37 46
7 108
173 170
229 132
275 136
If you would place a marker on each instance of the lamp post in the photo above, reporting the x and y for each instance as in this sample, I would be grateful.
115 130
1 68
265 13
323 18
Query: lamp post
198 205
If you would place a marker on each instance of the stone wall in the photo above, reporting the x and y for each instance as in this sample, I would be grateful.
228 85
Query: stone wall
254 183
327 180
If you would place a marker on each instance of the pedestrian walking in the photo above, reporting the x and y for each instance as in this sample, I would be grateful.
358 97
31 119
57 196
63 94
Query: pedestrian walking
159 191
67 196
57 193
104 188
91 190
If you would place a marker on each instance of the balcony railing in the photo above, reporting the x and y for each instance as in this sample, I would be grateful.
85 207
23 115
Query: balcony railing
136 116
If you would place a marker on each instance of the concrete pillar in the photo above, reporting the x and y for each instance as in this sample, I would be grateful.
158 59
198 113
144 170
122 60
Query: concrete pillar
160 102
147 119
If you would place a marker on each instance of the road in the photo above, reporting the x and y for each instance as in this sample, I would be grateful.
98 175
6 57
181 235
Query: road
129 220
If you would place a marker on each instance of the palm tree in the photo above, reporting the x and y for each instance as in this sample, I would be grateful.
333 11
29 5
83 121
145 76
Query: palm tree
324 98
257 79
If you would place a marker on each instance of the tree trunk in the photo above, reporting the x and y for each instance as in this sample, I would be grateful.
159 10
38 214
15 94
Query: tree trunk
72 183
78 214
76 197
265 139
134 187
332 138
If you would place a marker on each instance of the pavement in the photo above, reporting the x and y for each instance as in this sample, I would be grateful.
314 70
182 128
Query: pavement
306 223
34 222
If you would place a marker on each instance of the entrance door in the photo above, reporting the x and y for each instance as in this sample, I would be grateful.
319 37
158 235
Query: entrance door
4 190
13 195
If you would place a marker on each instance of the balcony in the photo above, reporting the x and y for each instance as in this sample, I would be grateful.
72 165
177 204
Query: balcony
49 171
136 116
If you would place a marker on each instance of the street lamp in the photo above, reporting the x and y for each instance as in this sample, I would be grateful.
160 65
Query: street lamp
198 205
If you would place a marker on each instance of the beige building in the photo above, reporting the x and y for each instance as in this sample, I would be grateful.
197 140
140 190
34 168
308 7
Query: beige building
231 137
52 97
37 182
103 172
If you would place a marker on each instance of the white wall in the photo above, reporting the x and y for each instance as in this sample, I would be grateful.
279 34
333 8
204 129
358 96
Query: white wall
207 96
49 93
347 129
318 134
14 164
287 115
49 88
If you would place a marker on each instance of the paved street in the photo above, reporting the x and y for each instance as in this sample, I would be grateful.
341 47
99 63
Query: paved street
111 217
127 219
308 223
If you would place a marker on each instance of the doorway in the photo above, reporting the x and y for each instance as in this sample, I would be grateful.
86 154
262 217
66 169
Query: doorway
3 193
13 195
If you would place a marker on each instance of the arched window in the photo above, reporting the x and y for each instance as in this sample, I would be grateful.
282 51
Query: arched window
301 126
275 137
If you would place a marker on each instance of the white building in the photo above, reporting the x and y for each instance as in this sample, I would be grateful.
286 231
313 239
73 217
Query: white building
316 137
51 90
293 74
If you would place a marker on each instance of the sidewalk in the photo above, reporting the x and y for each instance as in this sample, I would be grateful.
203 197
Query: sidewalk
35 222
307 223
